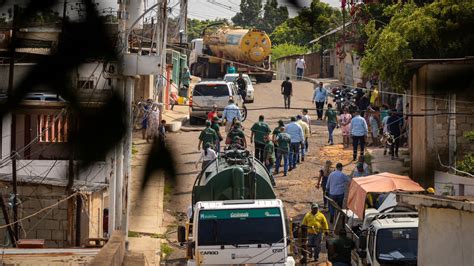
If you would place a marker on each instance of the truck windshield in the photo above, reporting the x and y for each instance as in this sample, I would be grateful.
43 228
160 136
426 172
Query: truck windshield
240 226
211 90
397 246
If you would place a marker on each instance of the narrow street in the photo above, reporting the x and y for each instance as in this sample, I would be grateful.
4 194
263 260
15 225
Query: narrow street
297 190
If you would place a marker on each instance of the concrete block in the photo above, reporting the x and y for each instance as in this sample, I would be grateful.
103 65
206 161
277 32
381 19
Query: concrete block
51 244
58 235
43 234
173 126
50 224
465 127
59 214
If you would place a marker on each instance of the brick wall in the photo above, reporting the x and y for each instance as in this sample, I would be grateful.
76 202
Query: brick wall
50 225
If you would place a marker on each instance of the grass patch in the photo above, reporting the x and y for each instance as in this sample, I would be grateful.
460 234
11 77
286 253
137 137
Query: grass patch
160 236
169 188
133 234
134 149
166 249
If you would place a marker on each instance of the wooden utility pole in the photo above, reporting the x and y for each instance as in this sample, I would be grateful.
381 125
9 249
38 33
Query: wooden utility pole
7 221
15 192
11 73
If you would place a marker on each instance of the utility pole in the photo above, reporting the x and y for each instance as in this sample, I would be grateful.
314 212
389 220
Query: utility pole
183 22
15 200
7 221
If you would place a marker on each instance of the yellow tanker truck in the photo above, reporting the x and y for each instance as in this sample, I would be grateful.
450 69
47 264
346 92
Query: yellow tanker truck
248 49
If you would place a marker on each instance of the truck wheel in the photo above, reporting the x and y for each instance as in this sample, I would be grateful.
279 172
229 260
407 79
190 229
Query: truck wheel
244 113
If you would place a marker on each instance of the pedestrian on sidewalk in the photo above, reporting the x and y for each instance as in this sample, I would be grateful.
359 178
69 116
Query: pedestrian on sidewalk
207 156
153 123
231 111
213 113
300 66
394 125
287 92
359 132
331 116
269 157
207 136
297 137
306 134
340 249
259 131
317 225
146 110
345 121
335 187
323 180
283 141
216 127
320 96
374 122
236 136
162 131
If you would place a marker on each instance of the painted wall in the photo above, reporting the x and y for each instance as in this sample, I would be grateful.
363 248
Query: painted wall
445 237
286 66
454 185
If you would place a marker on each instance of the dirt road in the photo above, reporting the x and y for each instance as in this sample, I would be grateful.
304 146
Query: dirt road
297 189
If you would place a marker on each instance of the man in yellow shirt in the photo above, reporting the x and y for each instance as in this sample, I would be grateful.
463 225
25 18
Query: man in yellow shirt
306 134
317 225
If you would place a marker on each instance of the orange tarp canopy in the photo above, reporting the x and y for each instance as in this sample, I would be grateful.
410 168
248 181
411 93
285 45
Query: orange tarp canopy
383 182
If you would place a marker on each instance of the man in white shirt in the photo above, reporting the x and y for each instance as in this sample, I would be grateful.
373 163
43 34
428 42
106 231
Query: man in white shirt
231 111
300 66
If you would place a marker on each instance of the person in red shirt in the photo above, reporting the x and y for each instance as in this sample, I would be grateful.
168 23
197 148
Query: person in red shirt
213 113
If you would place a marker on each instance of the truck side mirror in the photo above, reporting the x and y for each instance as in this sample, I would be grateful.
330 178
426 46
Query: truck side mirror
181 234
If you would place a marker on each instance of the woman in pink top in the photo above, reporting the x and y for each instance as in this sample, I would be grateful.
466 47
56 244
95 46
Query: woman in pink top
345 121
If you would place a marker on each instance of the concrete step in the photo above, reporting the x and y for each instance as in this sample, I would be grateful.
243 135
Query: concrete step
134 258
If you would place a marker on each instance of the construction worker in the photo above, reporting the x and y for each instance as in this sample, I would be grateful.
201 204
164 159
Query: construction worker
259 130
236 131
269 156
207 136
339 250
317 225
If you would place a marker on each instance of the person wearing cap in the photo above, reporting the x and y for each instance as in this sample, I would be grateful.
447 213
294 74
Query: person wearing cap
282 150
320 96
359 170
323 179
335 187
359 132
297 137
317 225
236 134
207 136
306 134
231 111
259 131
430 190
287 92
340 249
269 156
276 131
215 126
213 113
331 116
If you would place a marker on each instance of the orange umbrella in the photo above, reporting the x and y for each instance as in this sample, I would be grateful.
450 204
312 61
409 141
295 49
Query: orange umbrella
383 182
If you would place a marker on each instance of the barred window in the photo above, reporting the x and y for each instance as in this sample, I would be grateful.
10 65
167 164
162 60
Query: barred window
52 128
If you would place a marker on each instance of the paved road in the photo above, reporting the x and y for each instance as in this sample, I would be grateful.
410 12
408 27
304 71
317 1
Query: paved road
297 190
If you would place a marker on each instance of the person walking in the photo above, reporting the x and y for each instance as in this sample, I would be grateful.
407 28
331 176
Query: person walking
287 92
300 67
213 113
335 187
323 180
206 157
216 127
374 122
394 126
307 119
345 121
359 132
305 127
340 249
207 136
269 157
320 96
236 136
283 141
231 111
275 133
317 225
297 137
242 84
331 116
259 130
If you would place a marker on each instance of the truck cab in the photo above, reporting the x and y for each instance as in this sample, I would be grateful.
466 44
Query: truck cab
196 50
239 232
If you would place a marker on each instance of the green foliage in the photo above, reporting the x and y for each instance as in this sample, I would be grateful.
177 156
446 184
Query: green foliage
310 23
249 15
166 249
286 49
440 29
195 27
273 16
469 135
133 234
466 164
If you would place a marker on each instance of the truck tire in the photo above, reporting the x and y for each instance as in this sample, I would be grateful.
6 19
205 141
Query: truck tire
244 113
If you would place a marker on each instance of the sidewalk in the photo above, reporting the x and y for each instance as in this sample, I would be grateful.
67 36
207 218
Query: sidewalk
384 163
176 118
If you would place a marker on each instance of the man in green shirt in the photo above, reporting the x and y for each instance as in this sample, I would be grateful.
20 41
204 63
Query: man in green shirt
236 134
331 116
207 136
215 126
269 156
282 151
339 250
259 130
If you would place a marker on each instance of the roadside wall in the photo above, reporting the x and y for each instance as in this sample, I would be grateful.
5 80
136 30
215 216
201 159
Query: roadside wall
445 237
286 66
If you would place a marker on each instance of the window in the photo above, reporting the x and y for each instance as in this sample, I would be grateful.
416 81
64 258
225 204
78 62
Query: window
211 90
85 84
52 129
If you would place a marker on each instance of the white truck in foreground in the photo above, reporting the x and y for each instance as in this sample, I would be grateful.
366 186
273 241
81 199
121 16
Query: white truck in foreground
235 232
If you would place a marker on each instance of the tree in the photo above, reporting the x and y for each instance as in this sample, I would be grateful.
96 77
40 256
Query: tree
249 15
440 29
310 23
273 16
286 49
196 26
